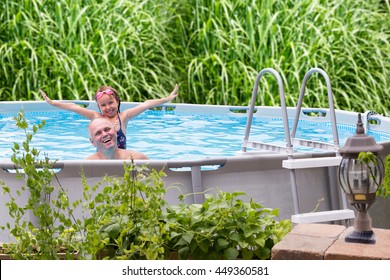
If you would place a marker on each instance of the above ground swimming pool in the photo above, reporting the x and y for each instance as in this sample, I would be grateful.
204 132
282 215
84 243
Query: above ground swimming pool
199 147
204 149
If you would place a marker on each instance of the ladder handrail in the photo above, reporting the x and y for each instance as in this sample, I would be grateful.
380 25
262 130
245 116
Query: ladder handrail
288 136
283 106
330 100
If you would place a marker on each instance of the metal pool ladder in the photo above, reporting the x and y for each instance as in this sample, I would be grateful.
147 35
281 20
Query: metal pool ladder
293 164
265 146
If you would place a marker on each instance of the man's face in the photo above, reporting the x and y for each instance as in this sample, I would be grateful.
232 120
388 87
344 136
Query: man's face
102 134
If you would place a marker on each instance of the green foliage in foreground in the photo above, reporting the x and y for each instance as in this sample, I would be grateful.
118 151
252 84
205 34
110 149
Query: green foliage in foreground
128 217
213 49
225 227
52 230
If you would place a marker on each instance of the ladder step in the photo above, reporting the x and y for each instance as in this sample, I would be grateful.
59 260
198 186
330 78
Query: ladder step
311 162
313 144
324 216
264 146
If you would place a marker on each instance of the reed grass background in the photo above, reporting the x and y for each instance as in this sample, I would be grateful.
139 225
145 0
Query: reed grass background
213 49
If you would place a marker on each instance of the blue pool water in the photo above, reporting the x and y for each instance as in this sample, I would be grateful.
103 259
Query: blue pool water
162 134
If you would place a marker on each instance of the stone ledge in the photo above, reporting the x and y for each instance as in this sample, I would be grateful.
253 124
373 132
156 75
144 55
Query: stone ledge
326 242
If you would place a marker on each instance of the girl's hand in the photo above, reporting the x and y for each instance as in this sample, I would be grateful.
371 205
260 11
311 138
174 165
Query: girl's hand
47 99
173 93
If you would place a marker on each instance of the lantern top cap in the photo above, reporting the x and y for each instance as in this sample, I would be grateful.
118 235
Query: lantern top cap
360 142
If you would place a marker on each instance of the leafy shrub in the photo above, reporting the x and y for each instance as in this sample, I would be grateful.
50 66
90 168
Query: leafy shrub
225 227
126 218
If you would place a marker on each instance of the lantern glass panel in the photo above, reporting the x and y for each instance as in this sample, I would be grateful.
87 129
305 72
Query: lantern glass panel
359 177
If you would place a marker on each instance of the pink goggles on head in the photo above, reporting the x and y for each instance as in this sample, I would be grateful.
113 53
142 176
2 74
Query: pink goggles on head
100 93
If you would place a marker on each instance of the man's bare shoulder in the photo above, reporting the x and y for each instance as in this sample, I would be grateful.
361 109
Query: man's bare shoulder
128 154
93 156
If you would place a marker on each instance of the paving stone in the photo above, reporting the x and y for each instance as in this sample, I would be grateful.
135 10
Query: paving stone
323 241
342 250
319 230
300 247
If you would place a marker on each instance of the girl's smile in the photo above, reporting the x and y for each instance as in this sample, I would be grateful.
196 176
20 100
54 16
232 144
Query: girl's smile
108 106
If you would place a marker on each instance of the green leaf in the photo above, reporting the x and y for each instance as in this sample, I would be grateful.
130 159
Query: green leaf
260 241
230 253
247 254
188 237
204 245
243 243
221 244
265 253
234 236
181 242
275 212
183 253
113 230
6 190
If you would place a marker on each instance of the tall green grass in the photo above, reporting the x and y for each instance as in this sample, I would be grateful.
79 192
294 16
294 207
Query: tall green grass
69 48
213 49
232 40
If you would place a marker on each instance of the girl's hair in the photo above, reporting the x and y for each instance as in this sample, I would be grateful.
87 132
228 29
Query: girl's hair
116 96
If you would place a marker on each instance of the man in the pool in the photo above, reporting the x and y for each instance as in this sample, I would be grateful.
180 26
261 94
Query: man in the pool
103 136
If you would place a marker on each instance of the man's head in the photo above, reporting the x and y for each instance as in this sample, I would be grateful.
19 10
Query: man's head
102 134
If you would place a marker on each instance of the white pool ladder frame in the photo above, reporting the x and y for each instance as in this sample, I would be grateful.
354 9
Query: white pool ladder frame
293 164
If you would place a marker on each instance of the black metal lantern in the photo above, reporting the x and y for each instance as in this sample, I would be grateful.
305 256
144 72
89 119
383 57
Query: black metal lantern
360 180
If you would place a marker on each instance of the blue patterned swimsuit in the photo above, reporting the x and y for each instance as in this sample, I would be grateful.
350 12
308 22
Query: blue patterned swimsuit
121 137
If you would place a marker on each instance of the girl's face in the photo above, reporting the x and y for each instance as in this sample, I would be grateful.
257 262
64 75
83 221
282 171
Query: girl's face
108 105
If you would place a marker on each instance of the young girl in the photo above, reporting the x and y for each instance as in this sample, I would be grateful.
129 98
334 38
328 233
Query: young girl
108 102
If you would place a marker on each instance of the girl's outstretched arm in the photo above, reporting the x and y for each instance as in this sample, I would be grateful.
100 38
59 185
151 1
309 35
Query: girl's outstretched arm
132 112
89 114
